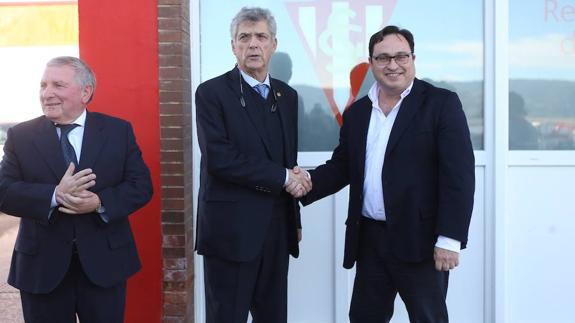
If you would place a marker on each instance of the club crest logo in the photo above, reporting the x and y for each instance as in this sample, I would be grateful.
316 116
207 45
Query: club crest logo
336 35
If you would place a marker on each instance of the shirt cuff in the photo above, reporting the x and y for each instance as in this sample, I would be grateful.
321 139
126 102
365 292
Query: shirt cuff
287 178
53 203
448 243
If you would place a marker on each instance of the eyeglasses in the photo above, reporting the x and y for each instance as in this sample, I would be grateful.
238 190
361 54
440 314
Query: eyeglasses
383 59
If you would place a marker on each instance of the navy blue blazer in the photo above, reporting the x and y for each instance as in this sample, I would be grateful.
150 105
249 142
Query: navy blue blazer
31 168
239 182
428 179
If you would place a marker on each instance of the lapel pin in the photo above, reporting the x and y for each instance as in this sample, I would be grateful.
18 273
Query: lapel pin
278 93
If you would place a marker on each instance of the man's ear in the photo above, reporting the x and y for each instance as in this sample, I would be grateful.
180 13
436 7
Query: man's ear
87 93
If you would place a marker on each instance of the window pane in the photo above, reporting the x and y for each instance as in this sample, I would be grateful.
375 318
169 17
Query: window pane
322 53
541 75
449 50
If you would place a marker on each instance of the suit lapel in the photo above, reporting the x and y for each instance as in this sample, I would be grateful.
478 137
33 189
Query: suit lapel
409 107
284 112
93 141
250 108
48 144
364 116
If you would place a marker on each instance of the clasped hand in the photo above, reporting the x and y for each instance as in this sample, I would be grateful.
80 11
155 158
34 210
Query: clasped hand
72 192
299 182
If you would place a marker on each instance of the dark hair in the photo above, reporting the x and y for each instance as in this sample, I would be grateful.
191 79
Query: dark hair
389 30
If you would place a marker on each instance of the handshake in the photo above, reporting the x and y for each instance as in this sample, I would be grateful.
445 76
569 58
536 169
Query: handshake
299 182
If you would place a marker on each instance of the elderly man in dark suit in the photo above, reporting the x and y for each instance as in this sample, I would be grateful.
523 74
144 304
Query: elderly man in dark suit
247 222
406 153
73 177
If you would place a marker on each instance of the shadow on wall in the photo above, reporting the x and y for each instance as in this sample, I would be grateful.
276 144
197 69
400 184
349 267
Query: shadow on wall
548 105
522 133
318 128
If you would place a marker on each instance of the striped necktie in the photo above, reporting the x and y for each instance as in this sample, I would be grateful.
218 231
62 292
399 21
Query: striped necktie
67 148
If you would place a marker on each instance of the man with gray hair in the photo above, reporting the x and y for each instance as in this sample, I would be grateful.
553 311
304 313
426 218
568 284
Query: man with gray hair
247 220
72 177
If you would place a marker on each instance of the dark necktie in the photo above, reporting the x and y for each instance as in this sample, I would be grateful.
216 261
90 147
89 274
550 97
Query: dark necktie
262 89
67 148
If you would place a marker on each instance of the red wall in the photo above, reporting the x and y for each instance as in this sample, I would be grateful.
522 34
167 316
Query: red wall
118 39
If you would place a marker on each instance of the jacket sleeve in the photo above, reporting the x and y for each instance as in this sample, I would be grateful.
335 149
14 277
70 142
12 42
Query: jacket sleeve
17 196
222 158
456 172
134 189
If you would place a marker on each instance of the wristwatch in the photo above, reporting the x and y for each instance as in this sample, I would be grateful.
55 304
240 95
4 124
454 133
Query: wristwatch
100 209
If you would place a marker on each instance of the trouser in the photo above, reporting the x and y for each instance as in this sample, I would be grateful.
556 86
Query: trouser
75 295
259 286
380 276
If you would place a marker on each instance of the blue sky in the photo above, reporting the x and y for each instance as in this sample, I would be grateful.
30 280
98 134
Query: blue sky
540 47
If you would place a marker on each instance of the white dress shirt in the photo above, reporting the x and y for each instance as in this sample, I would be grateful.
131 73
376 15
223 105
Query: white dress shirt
75 137
253 82
378 133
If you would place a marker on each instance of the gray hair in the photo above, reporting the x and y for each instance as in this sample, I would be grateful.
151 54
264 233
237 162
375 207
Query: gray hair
253 14
83 73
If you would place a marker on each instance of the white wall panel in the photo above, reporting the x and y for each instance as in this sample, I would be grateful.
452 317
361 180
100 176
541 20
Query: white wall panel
312 275
540 255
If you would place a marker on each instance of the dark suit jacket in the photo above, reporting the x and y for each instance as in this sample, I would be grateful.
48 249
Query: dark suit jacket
239 181
33 165
428 178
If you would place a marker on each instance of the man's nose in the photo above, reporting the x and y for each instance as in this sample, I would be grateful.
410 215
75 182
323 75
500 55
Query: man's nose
254 42
46 92
392 64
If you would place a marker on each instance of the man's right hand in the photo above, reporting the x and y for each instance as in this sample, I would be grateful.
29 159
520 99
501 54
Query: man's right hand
299 182
74 183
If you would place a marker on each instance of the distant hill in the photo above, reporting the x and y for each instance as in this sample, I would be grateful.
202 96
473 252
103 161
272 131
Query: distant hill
543 98
546 98
547 103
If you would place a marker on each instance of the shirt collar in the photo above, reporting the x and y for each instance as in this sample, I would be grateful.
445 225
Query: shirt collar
252 81
81 120
373 94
